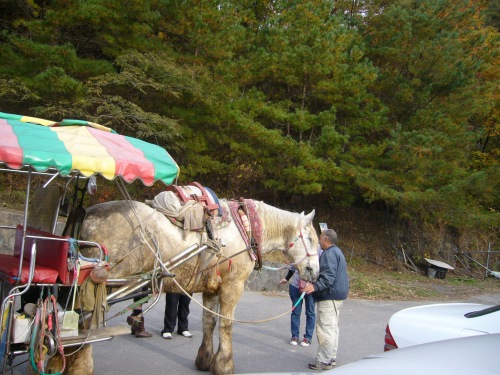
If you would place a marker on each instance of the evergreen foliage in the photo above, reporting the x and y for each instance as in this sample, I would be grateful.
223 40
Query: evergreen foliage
392 103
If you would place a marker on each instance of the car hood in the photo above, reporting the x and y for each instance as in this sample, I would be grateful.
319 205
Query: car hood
476 355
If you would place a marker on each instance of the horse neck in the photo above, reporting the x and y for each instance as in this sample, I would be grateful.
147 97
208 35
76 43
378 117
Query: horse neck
279 227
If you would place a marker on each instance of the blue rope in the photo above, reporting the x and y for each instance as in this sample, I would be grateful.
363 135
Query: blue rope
274 268
6 276
3 341
73 246
300 299
92 260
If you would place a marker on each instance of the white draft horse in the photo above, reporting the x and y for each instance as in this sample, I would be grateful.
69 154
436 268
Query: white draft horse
132 230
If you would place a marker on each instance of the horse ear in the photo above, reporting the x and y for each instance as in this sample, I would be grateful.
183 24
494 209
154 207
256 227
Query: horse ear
309 218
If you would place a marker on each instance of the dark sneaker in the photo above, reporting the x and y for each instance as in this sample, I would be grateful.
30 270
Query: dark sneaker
294 341
320 366
305 342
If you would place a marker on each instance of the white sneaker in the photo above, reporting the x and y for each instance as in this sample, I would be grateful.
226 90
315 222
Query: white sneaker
166 335
186 334
294 341
305 342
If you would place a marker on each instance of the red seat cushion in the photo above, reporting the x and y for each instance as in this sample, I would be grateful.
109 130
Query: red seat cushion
9 267
49 254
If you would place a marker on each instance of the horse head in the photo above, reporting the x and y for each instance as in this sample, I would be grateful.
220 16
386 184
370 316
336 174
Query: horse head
303 249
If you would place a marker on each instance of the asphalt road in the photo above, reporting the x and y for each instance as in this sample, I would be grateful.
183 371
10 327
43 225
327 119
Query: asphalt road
258 348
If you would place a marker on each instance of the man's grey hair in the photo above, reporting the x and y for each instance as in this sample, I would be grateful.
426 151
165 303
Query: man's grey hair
330 235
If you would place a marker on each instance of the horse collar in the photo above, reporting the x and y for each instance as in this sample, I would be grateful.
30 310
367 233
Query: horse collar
253 240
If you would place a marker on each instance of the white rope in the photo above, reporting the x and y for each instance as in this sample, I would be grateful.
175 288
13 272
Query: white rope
226 317
156 253
158 259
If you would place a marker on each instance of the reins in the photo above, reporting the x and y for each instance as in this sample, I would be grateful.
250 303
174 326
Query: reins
277 269
238 320
226 317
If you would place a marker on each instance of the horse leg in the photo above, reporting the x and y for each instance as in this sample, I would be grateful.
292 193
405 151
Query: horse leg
79 361
206 351
223 360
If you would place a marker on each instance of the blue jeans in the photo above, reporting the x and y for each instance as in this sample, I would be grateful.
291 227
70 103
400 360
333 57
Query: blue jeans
310 315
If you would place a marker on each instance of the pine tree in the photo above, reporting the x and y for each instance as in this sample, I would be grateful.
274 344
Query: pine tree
431 55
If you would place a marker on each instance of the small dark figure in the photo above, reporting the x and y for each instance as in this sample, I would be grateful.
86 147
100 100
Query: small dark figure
176 312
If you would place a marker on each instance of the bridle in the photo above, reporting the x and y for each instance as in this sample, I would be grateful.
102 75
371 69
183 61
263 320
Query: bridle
292 244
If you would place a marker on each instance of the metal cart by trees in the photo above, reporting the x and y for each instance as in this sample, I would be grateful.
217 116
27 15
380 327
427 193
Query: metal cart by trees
42 276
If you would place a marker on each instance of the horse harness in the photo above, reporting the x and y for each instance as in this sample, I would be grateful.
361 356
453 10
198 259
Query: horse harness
243 211
195 191
193 202
247 220
292 244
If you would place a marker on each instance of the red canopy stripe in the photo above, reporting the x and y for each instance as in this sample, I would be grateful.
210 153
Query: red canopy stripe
11 152
130 162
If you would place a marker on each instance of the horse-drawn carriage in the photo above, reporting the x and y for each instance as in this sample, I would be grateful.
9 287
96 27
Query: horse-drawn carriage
57 283
41 276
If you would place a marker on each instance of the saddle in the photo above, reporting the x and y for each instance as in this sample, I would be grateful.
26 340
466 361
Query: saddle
194 191
188 206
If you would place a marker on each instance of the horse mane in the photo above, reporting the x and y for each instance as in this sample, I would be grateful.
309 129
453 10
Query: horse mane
278 223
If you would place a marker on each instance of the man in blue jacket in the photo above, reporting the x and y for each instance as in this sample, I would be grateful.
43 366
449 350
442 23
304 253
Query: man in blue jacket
329 291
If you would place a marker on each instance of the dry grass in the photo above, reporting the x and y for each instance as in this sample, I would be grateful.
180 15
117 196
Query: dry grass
374 282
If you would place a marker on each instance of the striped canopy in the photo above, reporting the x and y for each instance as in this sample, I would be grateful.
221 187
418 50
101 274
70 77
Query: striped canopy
84 147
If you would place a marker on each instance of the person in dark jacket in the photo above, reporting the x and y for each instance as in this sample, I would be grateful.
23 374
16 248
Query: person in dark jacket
176 312
329 291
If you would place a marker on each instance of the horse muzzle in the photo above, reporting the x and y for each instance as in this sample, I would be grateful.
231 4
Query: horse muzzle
309 274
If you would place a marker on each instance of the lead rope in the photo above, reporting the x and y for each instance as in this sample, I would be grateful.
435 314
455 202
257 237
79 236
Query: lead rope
238 320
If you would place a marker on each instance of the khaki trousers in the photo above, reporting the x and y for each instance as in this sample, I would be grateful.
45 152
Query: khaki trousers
327 330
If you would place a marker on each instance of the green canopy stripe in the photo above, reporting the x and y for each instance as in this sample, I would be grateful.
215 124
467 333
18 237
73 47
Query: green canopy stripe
82 146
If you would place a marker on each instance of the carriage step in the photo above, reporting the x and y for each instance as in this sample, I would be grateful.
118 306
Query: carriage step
95 335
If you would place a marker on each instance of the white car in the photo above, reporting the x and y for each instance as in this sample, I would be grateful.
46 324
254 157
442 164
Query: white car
462 356
428 323
476 355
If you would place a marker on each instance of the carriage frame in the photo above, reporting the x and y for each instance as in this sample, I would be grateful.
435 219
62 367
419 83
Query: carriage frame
41 259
